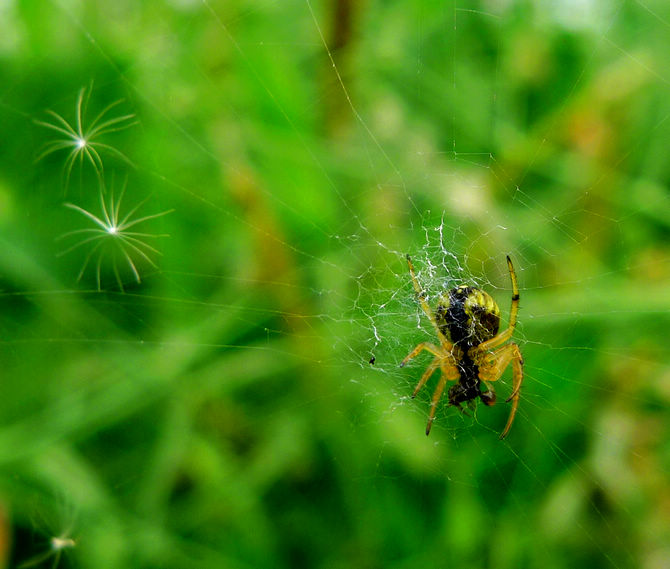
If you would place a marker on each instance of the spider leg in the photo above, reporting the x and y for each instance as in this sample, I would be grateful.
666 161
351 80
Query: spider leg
426 375
492 366
433 403
517 364
422 346
502 337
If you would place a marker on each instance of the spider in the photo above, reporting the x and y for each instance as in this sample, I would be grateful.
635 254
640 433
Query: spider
471 350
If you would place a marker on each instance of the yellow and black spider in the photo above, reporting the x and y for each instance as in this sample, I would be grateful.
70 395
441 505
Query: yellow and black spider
466 321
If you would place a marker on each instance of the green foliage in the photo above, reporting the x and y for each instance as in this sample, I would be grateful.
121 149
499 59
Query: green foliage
228 395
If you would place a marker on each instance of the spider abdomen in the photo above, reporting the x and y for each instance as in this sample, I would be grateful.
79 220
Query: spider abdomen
467 316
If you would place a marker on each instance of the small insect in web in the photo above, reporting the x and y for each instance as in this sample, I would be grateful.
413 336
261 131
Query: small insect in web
471 351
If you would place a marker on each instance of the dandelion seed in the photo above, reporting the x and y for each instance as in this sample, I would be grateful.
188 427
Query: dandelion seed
62 542
57 545
111 239
55 528
81 139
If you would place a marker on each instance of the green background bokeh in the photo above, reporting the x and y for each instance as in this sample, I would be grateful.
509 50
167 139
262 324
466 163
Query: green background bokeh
223 411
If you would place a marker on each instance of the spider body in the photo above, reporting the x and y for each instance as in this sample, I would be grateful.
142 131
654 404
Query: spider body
467 316
467 321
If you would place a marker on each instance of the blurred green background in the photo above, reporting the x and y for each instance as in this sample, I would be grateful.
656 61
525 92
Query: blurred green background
241 405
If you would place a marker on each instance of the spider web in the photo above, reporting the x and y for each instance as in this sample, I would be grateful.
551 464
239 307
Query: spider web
441 143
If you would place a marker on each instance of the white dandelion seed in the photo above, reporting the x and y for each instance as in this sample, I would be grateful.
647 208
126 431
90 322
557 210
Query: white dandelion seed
57 545
55 526
111 237
81 139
